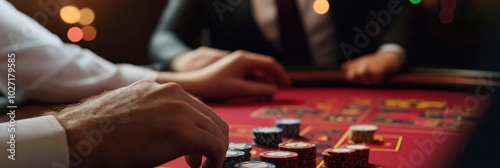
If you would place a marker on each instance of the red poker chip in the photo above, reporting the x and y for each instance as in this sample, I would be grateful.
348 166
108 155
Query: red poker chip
273 155
340 151
297 146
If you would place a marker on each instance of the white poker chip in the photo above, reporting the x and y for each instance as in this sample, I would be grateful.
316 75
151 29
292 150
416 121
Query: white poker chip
288 121
267 130
363 127
239 146
357 147
255 164
233 153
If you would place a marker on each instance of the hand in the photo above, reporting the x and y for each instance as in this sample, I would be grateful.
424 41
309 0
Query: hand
196 59
144 125
240 74
371 69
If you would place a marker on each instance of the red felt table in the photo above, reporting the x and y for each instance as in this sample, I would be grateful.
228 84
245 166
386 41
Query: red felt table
417 128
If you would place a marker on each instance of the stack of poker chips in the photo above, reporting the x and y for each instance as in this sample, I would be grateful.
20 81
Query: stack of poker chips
361 154
267 137
362 133
282 159
338 158
242 147
254 164
233 158
290 127
305 150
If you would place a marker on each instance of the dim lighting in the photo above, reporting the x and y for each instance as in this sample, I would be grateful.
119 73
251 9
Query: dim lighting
75 34
70 14
446 16
89 33
87 16
321 6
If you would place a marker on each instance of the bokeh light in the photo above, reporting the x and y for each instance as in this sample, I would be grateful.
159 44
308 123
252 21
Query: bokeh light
89 33
70 14
449 4
87 16
321 6
415 2
75 34
446 16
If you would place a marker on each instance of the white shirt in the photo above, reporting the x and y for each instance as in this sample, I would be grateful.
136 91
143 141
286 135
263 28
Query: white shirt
318 29
47 69
39 142
51 71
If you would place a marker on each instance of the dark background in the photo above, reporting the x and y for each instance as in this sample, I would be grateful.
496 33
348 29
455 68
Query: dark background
124 28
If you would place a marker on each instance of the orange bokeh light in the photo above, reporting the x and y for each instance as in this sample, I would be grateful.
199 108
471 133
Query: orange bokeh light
70 14
89 33
75 34
87 16
321 6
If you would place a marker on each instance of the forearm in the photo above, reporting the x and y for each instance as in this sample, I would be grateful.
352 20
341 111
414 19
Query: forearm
179 26
164 48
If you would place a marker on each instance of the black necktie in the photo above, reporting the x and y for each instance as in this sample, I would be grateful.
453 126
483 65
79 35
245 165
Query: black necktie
294 44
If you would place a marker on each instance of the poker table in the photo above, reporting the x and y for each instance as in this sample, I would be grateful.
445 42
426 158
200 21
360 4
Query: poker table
416 127
423 119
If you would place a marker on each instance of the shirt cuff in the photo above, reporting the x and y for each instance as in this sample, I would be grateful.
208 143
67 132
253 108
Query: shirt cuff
130 73
38 142
392 47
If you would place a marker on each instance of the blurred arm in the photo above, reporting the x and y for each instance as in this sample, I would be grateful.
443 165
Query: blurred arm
46 69
407 30
180 24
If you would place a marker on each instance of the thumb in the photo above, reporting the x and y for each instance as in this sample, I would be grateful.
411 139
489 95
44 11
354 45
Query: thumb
247 88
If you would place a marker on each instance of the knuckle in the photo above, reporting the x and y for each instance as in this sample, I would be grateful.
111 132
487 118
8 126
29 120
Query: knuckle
177 105
144 82
225 128
271 60
172 87
240 53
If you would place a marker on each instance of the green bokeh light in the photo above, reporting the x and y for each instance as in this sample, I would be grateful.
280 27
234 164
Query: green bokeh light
414 2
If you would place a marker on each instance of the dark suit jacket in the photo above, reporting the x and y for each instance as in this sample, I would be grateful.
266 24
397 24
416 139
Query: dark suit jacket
185 21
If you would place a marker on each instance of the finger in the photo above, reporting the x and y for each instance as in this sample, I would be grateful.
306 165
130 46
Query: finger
350 74
206 124
213 52
211 116
209 146
254 89
193 160
345 66
253 61
361 74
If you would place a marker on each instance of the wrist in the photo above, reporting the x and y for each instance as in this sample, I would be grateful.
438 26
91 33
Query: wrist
74 136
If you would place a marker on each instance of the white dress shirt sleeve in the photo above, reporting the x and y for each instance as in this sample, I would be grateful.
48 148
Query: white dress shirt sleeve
393 47
37 142
47 69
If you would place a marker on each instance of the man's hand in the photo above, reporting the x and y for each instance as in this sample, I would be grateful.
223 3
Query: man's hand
196 59
144 125
239 74
371 69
